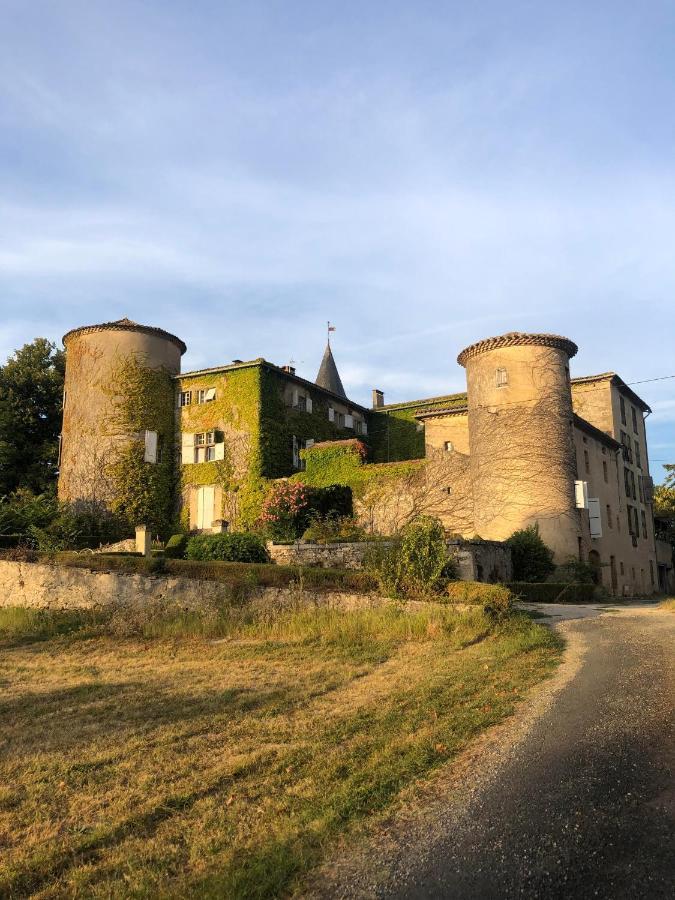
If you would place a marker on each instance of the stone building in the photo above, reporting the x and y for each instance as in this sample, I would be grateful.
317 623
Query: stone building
526 444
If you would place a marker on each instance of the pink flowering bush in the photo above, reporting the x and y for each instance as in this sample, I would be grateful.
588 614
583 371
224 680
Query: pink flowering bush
284 511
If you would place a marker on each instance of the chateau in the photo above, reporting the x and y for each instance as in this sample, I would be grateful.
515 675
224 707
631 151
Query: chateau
525 444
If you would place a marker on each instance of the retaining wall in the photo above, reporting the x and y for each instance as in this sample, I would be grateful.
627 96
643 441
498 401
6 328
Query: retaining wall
44 586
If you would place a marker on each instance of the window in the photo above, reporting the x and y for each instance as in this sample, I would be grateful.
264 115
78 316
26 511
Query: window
205 395
638 458
609 515
621 569
502 377
629 513
626 482
640 490
302 403
160 449
448 446
358 426
185 398
210 454
341 420
622 404
643 517
200 440
634 416
331 414
604 471
626 446
587 462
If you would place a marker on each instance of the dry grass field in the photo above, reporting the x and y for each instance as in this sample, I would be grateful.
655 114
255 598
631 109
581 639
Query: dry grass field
180 764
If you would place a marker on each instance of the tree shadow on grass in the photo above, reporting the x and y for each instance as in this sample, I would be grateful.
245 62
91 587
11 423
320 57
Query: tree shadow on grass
63 719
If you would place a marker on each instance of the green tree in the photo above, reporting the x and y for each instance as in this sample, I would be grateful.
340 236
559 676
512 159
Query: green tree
664 505
532 559
31 391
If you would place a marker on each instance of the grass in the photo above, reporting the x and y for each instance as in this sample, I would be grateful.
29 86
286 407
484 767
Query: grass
187 766
668 604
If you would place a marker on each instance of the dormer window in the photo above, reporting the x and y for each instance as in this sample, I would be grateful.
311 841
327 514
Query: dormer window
501 378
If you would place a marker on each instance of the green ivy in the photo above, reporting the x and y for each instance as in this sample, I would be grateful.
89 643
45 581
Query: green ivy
396 435
342 462
144 492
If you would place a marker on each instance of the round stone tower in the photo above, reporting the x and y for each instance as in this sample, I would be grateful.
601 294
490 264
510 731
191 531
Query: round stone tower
520 438
98 384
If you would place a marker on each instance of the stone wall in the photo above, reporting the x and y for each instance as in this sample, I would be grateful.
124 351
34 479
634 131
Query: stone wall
348 555
482 560
43 586
476 560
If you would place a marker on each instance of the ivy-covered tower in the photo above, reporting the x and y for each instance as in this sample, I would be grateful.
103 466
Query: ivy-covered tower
118 435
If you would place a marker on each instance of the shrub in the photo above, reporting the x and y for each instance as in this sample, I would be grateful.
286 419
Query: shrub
334 500
494 599
236 547
416 563
176 546
574 572
552 592
333 527
284 510
532 559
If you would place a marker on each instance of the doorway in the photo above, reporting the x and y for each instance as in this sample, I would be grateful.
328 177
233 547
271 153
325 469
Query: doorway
205 505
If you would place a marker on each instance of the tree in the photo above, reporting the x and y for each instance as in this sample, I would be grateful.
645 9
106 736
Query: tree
664 505
31 391
532 559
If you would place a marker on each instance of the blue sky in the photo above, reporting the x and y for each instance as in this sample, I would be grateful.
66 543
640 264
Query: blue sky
422 174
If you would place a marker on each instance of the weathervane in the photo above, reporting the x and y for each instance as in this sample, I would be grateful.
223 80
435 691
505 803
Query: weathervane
330 328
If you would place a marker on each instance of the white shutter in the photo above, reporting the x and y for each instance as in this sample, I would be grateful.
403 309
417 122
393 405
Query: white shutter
594 517
295 399
220 450
309 443
309 404
187 448
210 394
150 447
331 414
364 427
581 494
349 421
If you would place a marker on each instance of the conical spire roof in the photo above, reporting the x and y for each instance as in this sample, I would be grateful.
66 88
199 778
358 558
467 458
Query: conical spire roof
329 377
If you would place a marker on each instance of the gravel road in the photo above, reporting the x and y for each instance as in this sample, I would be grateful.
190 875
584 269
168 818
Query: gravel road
578 801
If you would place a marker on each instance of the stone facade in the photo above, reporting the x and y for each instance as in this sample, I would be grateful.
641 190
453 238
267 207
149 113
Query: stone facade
509 453
476 560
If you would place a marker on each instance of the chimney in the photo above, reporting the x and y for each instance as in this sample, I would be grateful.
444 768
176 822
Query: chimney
289 369
378 398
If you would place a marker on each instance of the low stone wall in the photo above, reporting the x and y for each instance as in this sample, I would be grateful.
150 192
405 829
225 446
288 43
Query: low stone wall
476 560
482 560
326 556
43 586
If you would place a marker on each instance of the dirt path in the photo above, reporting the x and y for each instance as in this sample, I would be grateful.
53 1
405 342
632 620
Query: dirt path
571 798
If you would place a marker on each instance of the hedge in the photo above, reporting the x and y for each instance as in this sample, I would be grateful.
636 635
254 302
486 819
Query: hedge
553 592
176 546
494 598
239 546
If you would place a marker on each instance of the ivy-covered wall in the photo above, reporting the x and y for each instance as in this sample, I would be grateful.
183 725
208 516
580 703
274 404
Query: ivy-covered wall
280 422
394 432
143 400
258 428
344 462
236 413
